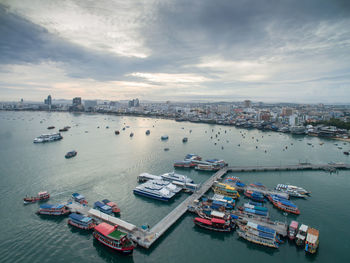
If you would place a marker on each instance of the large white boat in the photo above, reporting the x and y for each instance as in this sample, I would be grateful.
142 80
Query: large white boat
168 185
172 176
48 138
152 190
292 190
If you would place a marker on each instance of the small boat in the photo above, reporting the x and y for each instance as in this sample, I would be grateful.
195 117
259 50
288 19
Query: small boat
258 234
225 189
258 185
63 130
40 197
51 127
312 240
166 149
48 138
301 235
346 153
116 132
131 134
111 237
79 198
292 230
191 156
148 132
103 208
55 210
255 196
214 224
164 137
283 204
114 206
185 139
70 154
80 221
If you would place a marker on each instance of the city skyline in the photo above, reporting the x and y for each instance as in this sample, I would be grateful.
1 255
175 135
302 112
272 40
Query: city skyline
290 51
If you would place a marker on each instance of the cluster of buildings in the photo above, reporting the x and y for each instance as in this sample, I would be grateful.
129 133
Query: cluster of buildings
282 117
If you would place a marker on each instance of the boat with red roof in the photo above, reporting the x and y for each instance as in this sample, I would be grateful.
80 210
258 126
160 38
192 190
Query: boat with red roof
114 206
40 197
214 224
113 238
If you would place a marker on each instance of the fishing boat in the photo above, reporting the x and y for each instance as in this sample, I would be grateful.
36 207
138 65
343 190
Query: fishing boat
312 240
209 213
70 154
172 176
113 205
301 235
48 138
255 196
80 221
103 208
258 234
79 198
112 237
254 210
148 132
225 189
55 210
284 204
293 229
116 132
214 224
185 139
40 197
183 164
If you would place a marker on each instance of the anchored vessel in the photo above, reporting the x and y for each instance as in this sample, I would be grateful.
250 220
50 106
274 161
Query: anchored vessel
80 221
79 198
255 196
40 197
48 138
103 208
110 236
70 154
155 191
292 190
114 206
225 189
258 234
283 204
176 177
214 224
55 210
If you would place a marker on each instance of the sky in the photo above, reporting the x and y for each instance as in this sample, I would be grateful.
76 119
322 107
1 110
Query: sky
177 50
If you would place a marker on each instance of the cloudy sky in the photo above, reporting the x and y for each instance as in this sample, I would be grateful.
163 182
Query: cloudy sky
178 50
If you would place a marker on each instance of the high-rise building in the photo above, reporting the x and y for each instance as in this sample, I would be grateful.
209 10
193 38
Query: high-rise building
76 101
48 101
247 104
134 103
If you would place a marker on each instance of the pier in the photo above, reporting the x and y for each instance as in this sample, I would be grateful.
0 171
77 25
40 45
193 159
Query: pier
146 238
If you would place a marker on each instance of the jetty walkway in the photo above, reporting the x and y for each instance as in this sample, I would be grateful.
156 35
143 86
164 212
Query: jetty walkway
146 238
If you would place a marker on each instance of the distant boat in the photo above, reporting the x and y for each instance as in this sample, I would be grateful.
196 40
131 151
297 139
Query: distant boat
148 132
166 149
51 127
346 153
116 132
70 154
55 210
63 129
41 196
185 139
131 134
164 137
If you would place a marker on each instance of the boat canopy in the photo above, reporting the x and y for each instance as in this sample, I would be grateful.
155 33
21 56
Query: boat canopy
218 221
79 217
312 236
217 214
294 224
105 229
303 228
203 220
48 206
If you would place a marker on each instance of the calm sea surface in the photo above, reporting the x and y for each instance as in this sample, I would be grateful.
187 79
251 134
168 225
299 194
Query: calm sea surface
107 166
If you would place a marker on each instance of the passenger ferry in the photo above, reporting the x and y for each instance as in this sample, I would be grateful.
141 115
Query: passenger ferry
79 198
40 197
301 235
172 176
255 196
80 221
56 210
283 204
214 224
293 229
258 234
111 237
48 138
103 208
225 189
312 240
292 190
114 206
151 190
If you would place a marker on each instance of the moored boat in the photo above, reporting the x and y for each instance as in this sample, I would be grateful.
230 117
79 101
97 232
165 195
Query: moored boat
114 206
103 208
80 221
301 235
255 196
225 189
53 209
191 156
111 237
312 240
48 138
183 164
214 224
70 154
206 167
284 204
155 191
258 234
292 230
40 197
172 176
79 198
292 190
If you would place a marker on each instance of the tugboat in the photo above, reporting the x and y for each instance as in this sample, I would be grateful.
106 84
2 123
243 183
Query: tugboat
312 240
110 236
40 197
293 229
114 206
214 224
116 132
80 221
55 210
70 154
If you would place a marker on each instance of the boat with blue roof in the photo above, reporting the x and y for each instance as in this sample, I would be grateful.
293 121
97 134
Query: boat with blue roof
283 204
254 195
103 208
114 206
79 198
53 209
80 221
